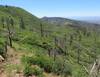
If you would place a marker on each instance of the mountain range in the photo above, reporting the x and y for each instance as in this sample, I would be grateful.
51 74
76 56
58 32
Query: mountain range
90 19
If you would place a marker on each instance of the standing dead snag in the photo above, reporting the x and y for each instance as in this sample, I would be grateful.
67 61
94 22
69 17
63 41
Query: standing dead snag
80 37
55 49
8 24
9 32
48 47
78 32
78 57
1 58
5 49
41 30
65 45
21 23
71 39
12 22
94 71
78 53
2 21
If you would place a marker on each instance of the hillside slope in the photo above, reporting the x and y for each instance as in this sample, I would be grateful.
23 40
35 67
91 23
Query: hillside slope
33 47
17 14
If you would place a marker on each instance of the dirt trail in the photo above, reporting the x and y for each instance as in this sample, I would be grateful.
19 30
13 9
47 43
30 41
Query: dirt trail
13 57
2 72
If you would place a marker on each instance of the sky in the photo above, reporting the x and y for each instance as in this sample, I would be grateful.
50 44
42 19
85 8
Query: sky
57 8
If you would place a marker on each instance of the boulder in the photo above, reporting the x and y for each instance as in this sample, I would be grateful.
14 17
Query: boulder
1 58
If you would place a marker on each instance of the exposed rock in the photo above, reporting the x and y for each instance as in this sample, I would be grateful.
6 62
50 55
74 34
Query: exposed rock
1 58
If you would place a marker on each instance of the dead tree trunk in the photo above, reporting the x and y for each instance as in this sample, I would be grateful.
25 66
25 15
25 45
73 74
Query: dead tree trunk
78 56
55 49
2 20
41 29
5 49
9 32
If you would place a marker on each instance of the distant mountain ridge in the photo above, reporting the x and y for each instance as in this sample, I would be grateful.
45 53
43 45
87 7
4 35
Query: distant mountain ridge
90 19
65 21
56 20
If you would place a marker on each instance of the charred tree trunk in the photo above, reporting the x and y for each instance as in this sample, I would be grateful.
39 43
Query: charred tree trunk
9 33
55 54
5 49
10 41
55 49
49 52
2 21
78 56
22 24
71 39
41 30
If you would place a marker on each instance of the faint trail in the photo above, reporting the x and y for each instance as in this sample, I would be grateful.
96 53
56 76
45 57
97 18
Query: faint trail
13 57
2 71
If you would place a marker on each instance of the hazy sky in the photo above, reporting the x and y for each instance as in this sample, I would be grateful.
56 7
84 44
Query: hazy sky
58 8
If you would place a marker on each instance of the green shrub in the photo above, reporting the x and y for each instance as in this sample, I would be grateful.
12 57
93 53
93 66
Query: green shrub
31 41
60 67
29 71
43 61
66 70
37 71
27 60
57 67
48 64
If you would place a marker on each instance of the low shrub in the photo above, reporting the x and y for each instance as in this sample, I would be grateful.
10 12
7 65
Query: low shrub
61 68
29 71
27 60
49 65
43 61
37 71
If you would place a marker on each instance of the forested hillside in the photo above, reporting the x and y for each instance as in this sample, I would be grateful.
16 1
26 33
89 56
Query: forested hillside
33 47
